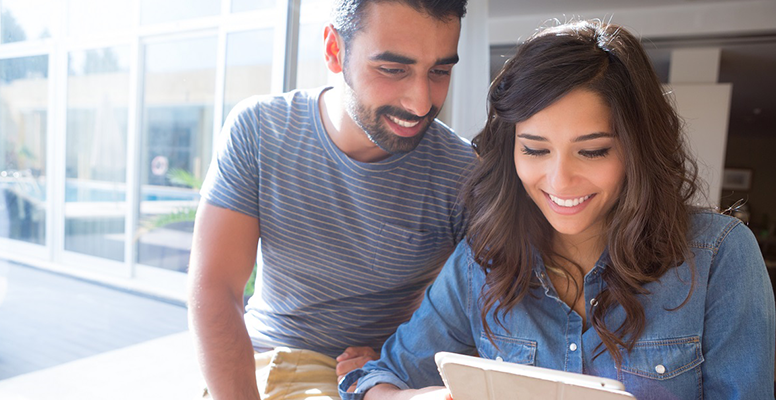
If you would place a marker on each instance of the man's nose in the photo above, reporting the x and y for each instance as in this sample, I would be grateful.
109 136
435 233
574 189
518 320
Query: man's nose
417 97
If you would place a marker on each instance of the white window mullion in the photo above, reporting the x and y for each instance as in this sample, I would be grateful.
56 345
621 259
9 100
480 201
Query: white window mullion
133 148
218 100
292 45
57 149
286 46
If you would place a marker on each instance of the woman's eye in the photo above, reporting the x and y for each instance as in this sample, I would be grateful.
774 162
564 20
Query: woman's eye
595 153
531 152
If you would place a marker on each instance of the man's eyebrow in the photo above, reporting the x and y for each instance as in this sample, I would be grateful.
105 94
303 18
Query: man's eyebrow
577 139
392 57
397 58
448 60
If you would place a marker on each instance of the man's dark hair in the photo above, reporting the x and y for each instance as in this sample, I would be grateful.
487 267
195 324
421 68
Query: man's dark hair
347 15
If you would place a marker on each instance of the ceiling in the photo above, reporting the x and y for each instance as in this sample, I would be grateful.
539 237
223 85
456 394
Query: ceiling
748 62
529 7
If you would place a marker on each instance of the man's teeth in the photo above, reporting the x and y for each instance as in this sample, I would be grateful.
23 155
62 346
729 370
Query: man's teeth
568 202
403 123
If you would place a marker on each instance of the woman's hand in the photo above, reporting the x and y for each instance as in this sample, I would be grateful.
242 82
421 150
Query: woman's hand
385 391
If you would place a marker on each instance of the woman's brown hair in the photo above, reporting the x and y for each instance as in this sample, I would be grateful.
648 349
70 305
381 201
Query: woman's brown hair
647 227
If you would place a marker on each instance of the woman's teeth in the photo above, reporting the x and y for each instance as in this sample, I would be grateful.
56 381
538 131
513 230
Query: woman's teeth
569 202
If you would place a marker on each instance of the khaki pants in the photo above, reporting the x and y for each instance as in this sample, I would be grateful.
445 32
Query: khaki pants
289 374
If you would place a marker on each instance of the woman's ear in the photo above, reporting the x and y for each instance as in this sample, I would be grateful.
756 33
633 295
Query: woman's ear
332 49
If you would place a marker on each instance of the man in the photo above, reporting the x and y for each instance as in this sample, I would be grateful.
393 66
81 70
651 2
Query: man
353 193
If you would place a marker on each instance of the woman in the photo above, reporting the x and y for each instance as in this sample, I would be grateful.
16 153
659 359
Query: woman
580 217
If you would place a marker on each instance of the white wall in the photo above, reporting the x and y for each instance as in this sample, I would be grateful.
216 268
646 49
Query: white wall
695 19
705 109
471 77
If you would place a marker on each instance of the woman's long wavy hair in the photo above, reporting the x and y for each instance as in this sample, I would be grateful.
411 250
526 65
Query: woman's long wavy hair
646 228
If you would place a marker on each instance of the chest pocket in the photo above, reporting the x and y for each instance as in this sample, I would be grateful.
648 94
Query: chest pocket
509 349
403 255
664 369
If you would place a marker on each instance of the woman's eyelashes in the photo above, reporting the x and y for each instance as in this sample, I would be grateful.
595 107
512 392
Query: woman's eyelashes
595 153
532 152
585 153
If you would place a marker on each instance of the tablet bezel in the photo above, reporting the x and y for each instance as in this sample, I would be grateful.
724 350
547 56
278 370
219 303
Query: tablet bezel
572 385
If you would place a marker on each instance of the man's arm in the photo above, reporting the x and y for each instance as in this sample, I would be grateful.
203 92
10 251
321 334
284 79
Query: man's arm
222 257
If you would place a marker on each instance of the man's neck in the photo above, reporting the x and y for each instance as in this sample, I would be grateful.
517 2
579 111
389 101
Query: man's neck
344 132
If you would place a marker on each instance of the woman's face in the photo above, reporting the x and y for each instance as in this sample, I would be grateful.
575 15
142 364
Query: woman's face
570 163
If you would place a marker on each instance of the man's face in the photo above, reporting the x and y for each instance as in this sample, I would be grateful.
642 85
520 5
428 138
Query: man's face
397 73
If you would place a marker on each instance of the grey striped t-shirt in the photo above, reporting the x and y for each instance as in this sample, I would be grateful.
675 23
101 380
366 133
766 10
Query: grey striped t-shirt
347 247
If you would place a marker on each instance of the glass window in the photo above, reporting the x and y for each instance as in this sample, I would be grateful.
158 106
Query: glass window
23 20
23 123
88 17
311 67
248 5
248 66
177 134
155 11
96 161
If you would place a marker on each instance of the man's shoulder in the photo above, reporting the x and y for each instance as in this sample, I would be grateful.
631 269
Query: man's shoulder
442 132
441 141
273 112
300 100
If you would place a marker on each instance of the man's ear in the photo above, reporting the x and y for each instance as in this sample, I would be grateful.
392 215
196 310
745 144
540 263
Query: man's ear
333 50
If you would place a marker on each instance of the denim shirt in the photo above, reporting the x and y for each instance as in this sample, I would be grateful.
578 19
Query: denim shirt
719 345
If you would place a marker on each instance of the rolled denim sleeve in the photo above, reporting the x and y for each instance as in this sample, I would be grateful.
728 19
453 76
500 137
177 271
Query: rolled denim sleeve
740 321
444 321
367 380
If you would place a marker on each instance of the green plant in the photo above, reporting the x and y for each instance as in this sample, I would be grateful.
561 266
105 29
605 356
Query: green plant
185 214
250 287
182 214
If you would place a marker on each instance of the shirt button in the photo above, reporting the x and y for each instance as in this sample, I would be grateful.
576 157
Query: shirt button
593 302
573 347
660 369
499 358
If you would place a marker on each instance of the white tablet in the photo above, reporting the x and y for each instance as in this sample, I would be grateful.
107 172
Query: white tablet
474 378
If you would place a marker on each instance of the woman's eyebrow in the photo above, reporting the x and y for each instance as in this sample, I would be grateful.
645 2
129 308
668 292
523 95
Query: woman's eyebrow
592 136
532 137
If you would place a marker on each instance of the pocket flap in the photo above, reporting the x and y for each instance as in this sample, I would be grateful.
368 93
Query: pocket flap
509 349
662 359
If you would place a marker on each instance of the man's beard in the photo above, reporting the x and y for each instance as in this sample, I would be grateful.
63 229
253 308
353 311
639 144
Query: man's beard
379 132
